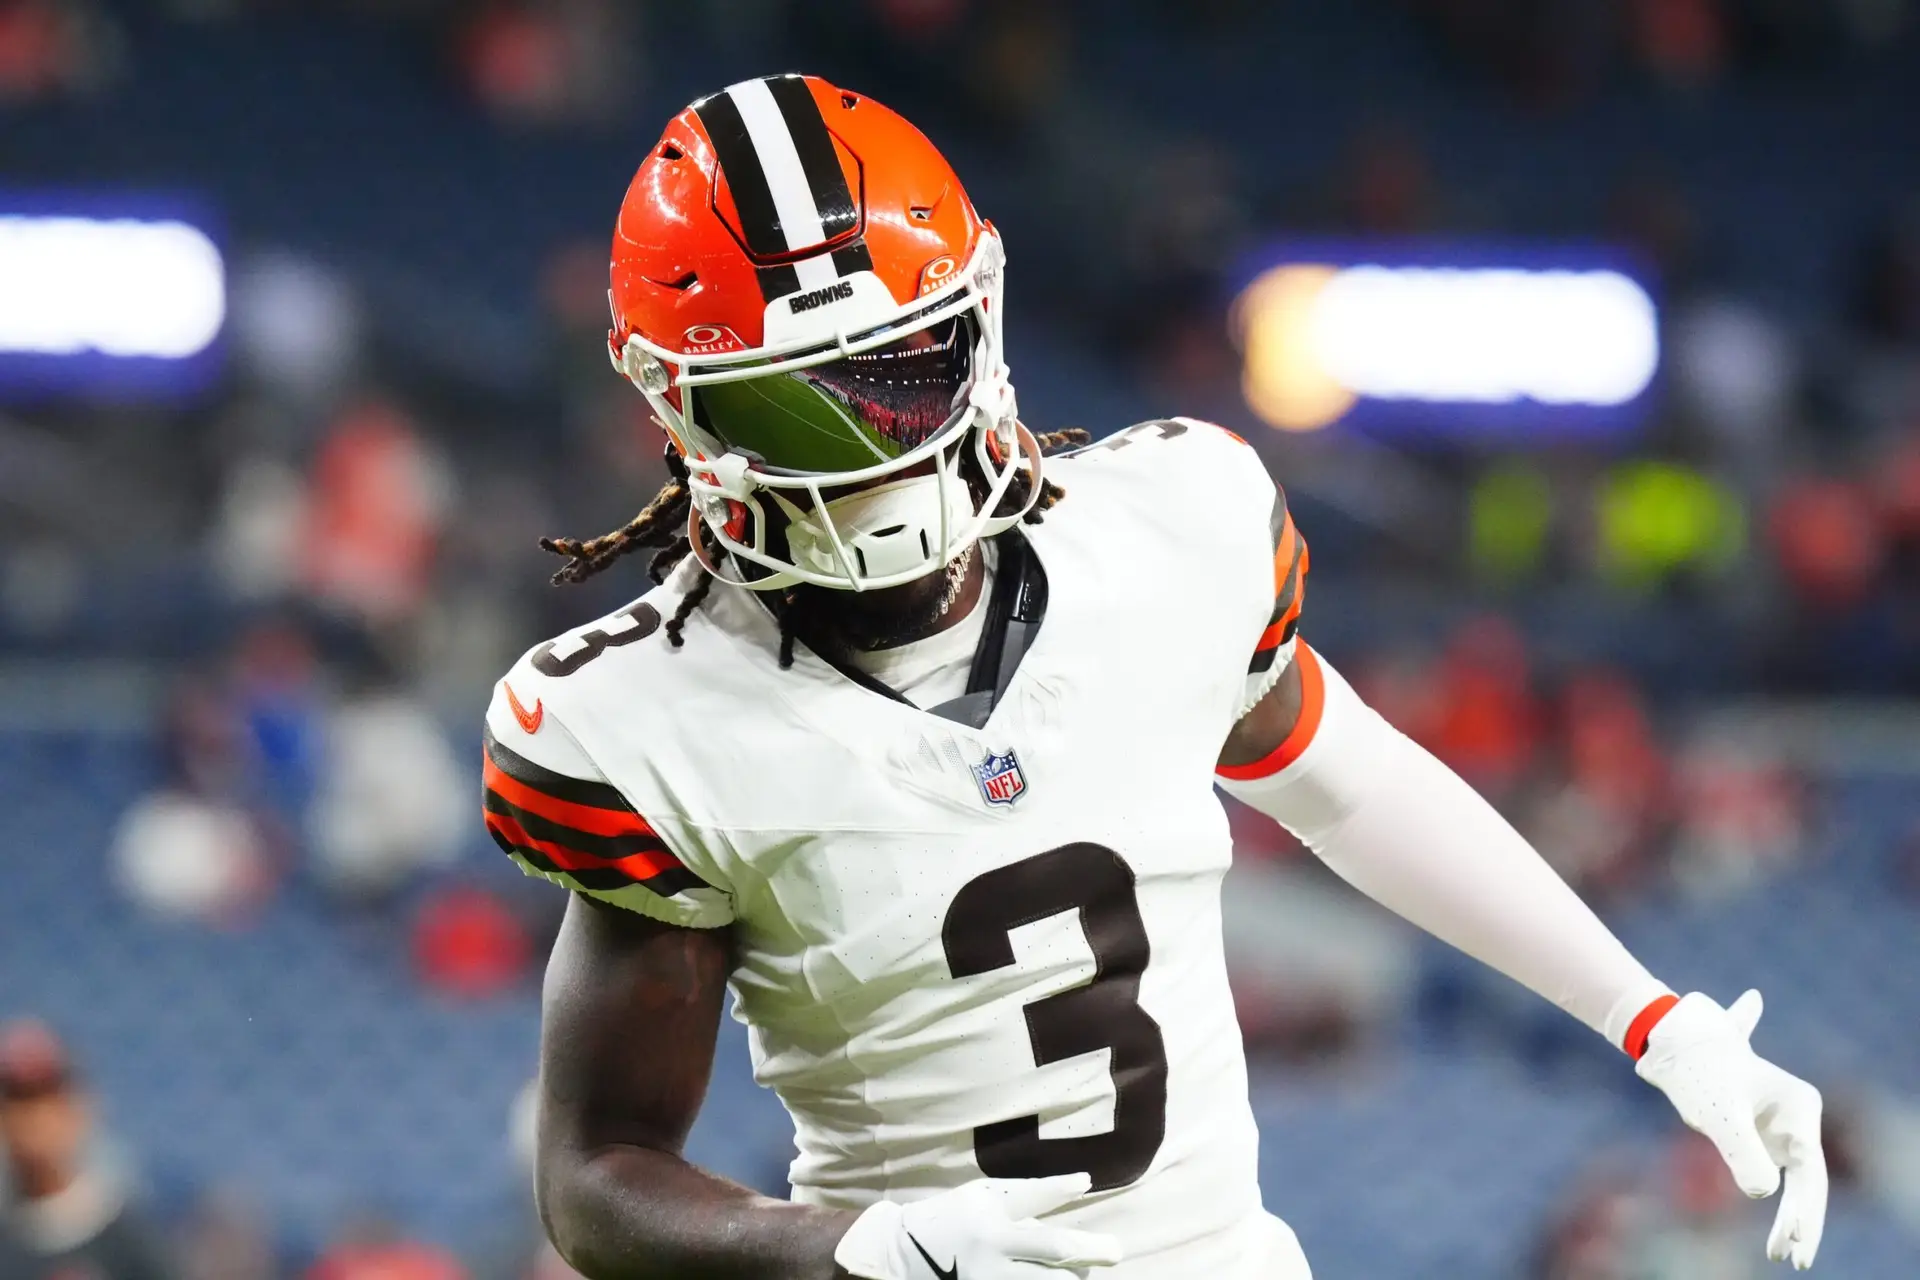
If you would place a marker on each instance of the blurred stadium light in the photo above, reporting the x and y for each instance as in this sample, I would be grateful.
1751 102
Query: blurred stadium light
128 301
1458 339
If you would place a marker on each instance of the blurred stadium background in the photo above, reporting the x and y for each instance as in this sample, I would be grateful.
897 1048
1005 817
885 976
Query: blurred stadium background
1584 335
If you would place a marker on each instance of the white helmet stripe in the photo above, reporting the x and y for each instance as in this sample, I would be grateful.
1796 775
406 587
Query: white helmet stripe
780 161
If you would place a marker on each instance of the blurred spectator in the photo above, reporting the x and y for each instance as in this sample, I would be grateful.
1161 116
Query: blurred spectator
1586 1240
190 849
1599 821
227 1237
1319 973
391 801
1681 1220
183 856
1485 720
50 48
1701 1230
1828 543
1897 481
1740 816
1872 1139
1683 42
378 498
276 689
555 62
69 1216
375 1249
1612 753
467 943
255 543
920 21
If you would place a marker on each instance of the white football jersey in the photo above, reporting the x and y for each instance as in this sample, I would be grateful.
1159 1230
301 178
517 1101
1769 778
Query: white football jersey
962 951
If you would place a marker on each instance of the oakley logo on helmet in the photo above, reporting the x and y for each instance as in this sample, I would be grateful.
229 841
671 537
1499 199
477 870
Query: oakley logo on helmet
838 292
938 272
710 339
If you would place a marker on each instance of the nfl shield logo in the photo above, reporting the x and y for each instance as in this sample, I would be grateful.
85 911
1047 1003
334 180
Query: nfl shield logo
1001 781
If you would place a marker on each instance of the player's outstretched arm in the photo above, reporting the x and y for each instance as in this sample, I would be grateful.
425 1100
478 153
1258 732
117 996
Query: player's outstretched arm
1408 832
631 1010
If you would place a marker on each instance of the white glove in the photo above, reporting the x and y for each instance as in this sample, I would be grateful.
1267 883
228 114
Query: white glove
1761 1118
987 1230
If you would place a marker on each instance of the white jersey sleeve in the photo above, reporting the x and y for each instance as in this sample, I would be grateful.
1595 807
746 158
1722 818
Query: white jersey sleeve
1283 548
553 811
1244 523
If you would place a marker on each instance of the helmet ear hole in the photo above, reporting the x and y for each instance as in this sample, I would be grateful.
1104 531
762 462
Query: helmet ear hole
849 100
668 151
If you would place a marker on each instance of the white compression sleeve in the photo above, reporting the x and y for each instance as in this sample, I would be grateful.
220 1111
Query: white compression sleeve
1406 831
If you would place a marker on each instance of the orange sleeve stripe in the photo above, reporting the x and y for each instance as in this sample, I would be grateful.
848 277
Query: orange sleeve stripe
1293 592
639 866
1313 703
1643 1024
594 821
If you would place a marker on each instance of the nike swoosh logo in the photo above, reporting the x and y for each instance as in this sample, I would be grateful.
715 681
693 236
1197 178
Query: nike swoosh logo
940 1272
529 720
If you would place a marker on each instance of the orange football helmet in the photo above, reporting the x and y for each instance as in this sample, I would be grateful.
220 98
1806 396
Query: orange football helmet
809 302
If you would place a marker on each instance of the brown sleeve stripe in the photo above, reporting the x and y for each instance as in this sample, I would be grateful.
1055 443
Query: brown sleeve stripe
594 795
1278 519
585 831
586 873
610 848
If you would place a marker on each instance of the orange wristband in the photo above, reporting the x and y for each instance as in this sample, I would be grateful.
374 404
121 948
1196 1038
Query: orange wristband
1643 1024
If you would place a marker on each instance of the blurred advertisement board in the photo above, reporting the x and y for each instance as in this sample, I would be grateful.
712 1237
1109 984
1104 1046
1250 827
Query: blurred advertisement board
1447 338
110 297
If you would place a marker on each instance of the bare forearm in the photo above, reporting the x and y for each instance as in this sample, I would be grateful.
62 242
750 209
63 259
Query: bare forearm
631 1010
633 1213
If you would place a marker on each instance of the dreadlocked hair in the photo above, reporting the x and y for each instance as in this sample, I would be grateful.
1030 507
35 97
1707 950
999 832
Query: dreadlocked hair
663 522
1022 482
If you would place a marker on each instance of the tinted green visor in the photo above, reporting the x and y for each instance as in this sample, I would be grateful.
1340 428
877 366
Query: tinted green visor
849 414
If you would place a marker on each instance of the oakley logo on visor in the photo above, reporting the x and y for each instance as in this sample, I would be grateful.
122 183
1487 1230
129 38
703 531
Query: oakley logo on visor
812 298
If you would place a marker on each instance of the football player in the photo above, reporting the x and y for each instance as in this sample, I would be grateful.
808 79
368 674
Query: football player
913 748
